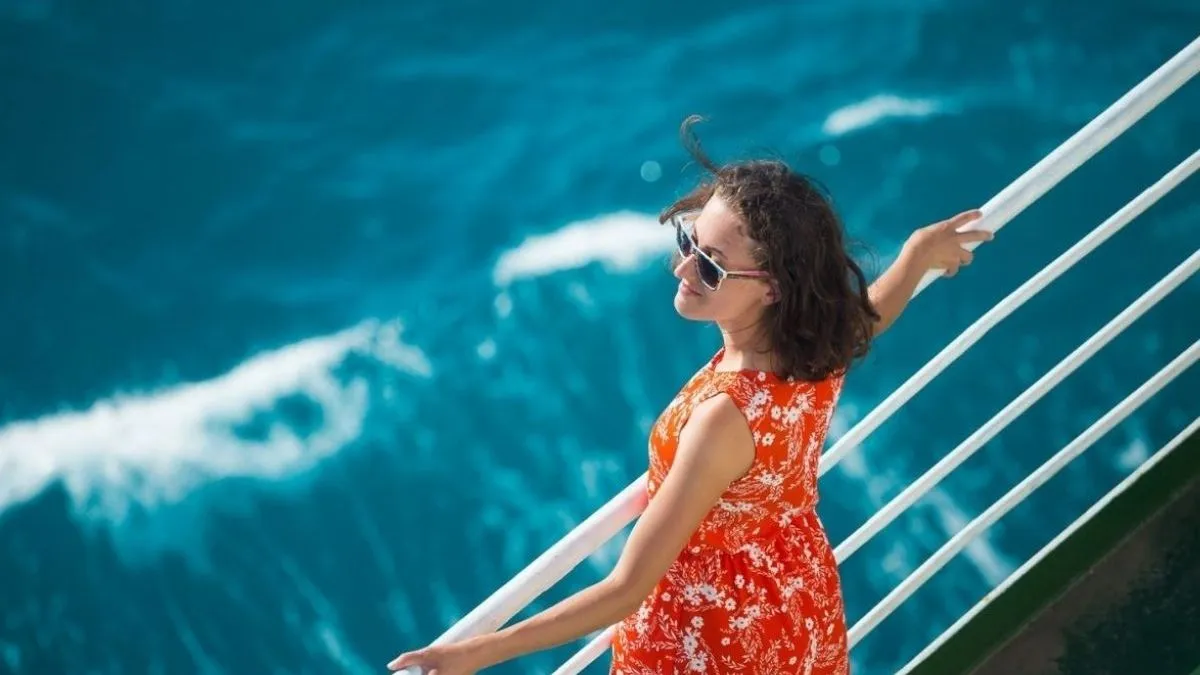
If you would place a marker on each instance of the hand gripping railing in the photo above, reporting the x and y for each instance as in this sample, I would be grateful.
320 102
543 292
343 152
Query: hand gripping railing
554 564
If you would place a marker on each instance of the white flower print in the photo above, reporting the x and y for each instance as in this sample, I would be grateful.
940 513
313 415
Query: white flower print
754 409
791 415
690 643
700 593
804 401
771 479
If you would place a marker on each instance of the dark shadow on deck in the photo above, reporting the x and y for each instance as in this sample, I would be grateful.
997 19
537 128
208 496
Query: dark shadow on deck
1119 596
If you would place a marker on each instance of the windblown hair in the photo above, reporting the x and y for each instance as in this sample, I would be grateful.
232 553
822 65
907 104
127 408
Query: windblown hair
823 318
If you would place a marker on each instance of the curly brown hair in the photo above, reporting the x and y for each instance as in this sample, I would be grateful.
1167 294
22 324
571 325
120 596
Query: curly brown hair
823 319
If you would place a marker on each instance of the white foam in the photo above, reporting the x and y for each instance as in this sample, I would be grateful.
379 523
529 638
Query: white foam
875 109
843 413
486 349
991 564
153 448
877 483
622 241
1135 452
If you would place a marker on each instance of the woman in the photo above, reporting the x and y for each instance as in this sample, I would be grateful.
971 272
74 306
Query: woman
729 569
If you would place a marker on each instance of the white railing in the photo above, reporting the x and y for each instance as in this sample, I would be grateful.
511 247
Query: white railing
550 567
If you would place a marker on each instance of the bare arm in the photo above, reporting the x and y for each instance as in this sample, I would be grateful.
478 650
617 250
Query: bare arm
894 288
715 448
936 246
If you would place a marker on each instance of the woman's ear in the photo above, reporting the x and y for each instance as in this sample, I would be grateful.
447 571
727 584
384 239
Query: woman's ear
772 296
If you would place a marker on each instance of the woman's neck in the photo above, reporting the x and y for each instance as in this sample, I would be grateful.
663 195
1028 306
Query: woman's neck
746 349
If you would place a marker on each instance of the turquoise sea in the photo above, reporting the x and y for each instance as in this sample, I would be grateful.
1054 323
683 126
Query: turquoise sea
320 320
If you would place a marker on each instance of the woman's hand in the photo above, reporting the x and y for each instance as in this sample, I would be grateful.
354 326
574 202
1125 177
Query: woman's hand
936 246
451 659
940 245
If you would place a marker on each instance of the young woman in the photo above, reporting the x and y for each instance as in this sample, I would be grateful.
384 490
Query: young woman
729 569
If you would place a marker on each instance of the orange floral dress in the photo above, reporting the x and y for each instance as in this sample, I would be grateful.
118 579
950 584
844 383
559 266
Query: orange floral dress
756 590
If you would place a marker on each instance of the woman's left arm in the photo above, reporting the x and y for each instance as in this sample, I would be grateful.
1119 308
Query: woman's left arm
936 246
715 448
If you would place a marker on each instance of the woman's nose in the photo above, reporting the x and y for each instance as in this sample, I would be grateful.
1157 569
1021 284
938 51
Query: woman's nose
682 264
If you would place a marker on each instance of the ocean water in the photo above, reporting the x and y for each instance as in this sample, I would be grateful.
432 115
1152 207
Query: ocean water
321 320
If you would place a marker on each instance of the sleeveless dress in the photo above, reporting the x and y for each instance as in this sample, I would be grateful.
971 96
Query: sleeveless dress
756 589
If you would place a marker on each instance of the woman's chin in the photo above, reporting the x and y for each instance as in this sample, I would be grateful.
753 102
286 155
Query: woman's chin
686 305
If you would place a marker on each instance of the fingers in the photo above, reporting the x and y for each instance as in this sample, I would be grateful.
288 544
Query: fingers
404 660
974 235
966 217
965 257
963 237
961 219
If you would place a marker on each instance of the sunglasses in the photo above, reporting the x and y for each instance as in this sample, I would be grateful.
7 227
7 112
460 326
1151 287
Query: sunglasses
710 272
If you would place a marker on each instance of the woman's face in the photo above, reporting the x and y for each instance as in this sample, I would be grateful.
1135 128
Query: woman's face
742 291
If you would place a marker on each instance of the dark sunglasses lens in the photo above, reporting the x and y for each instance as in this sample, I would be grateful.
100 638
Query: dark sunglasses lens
708 272
682 240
